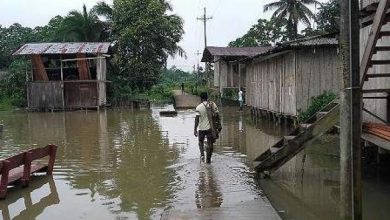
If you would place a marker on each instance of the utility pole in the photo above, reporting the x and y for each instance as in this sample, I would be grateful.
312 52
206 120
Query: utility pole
204 19
350 113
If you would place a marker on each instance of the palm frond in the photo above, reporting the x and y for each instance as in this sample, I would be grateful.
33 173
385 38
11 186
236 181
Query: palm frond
273 5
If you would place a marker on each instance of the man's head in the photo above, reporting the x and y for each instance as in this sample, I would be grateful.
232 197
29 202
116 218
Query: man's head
204 96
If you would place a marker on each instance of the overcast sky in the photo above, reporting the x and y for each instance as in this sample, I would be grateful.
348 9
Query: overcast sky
231 19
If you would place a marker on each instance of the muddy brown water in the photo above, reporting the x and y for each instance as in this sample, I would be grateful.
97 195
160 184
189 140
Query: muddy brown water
134 164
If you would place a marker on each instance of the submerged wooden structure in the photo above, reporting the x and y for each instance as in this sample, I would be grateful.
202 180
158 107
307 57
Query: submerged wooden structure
281 82
375 85
18 169
65 75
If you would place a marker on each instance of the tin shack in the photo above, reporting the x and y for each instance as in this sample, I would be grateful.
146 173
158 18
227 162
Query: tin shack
65 75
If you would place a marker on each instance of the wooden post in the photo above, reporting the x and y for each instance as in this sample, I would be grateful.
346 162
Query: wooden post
26 168
52 152
4 178
351 99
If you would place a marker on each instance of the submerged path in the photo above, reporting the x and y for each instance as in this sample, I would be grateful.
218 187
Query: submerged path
225 189
185 100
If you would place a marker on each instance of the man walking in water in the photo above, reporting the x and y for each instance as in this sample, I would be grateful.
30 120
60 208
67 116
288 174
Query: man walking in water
202 120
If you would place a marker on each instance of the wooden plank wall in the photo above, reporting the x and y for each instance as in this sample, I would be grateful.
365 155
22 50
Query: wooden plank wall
378 106
216 71
270 84
286 83
45 95
83 67
317 70
81 94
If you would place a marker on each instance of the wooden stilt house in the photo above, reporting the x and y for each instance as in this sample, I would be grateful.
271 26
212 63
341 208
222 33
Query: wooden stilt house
229 73
283 80
65 75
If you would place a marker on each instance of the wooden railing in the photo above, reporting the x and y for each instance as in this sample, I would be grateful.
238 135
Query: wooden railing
18 169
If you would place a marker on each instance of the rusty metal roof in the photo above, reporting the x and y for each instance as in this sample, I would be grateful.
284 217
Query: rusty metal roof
63 48
235 52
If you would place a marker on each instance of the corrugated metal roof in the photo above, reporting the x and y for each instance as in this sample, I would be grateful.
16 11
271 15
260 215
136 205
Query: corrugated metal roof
314 42
210 52
236 51
63 48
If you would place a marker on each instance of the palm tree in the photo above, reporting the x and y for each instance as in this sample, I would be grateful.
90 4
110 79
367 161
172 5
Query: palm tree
81 26
105 10
293 12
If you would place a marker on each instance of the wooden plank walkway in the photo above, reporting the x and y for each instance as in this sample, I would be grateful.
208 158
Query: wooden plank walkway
185 100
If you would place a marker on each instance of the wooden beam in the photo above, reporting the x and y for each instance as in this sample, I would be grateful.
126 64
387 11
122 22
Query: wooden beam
378 75
83 67
39 70
373 38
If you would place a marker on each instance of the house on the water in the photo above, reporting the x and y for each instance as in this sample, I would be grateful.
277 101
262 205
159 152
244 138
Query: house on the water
229 73
65 75
283 80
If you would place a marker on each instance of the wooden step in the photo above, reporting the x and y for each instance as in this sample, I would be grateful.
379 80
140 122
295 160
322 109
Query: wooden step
375 97
321 114
382 48
378 75
380 62
288 138
305 126
384 34
376 91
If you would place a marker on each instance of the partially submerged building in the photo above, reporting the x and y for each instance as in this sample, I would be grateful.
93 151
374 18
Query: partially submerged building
65 75
283 80
229 73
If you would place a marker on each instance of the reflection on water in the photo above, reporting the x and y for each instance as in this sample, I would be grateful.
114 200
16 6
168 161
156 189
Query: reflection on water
32 209
135 164
208 193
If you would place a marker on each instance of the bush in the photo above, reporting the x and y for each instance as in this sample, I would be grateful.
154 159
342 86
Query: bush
316 104
13 85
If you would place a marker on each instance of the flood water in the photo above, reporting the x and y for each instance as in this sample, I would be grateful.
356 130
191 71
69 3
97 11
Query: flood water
134 164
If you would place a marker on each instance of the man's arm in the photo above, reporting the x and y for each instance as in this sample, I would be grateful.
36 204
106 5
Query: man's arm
196 126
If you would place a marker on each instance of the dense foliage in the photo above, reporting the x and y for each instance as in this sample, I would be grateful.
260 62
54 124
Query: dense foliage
316 104
144 46
12 86
264 33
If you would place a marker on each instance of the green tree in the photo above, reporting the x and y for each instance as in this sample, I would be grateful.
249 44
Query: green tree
12 38
264 33
81 26
49 32
294 11
107 11
328 17
146 36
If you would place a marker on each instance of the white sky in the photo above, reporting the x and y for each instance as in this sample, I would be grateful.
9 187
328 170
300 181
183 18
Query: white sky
231 19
